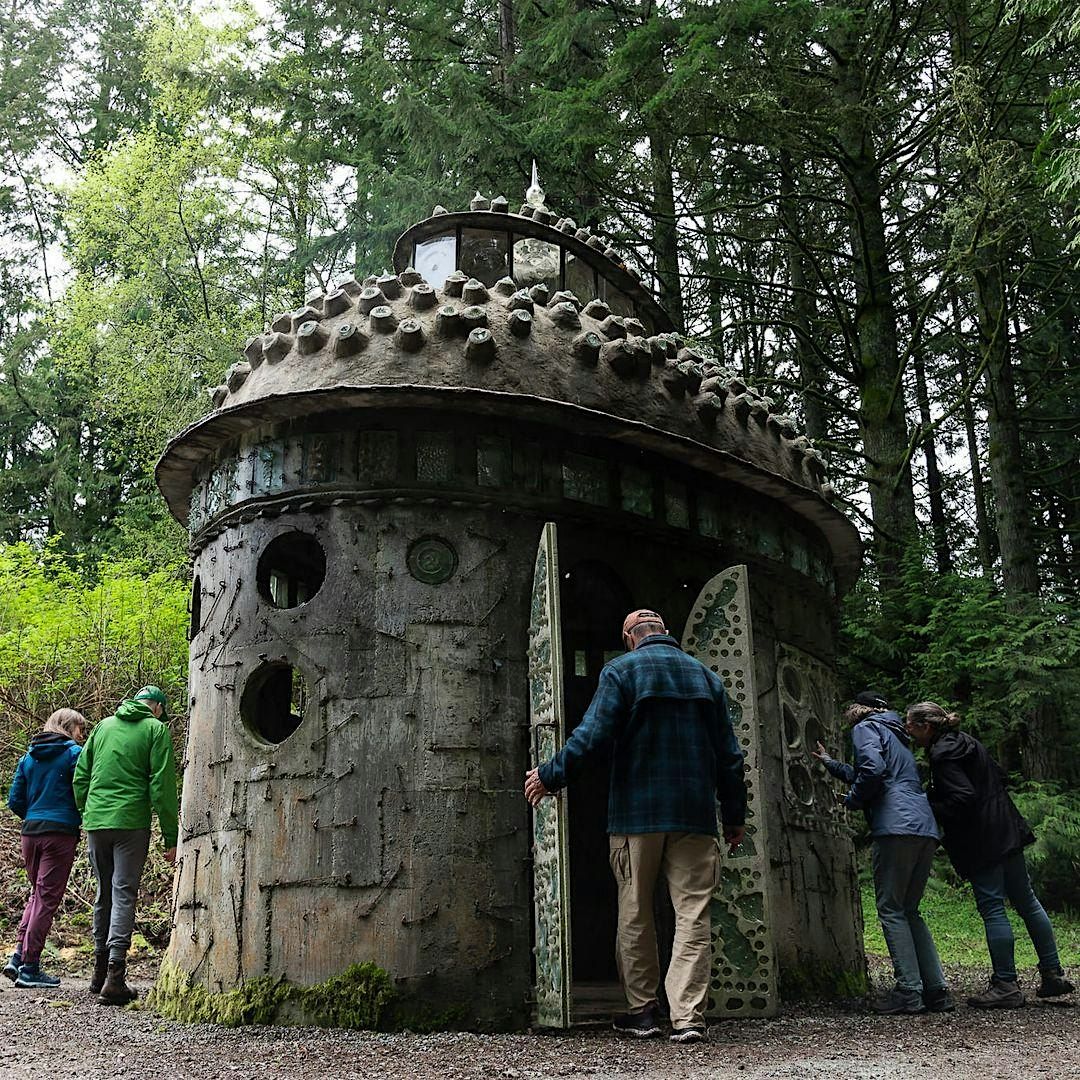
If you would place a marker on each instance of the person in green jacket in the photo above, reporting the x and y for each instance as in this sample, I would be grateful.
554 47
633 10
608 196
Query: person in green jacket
126 769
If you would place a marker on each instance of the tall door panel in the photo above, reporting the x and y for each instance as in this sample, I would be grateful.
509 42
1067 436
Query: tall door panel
743 977
551 870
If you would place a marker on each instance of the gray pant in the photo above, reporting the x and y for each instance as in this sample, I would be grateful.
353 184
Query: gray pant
901 869
118 857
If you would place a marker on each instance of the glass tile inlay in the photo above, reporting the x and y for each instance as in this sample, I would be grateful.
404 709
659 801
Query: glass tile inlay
528 466
493 461
708 514
585 479
320 459
269 472
636 486
434 457
376 456
676 507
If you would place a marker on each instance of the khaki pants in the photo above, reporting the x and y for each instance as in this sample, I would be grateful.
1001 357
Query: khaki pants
690 864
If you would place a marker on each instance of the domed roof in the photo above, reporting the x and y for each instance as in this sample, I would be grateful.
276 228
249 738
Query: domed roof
529 354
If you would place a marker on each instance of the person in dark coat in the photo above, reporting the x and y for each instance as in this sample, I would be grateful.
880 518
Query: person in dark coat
41 794
985 837
885 785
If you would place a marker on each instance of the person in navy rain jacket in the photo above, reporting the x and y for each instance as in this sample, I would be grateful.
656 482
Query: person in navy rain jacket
42 796
884 784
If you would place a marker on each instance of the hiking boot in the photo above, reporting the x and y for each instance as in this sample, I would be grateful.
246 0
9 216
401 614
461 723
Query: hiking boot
11 968
692 1034
1052 984
899 1000
101 971
939 1000
31 977
998 995
639 1025
116 990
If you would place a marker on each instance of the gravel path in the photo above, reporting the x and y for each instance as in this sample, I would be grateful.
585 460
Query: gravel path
66 1033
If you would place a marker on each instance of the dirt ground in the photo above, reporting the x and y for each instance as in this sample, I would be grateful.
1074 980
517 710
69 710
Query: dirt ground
67 1034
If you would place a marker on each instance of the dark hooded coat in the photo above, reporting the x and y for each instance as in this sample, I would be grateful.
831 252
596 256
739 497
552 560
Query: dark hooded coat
969 798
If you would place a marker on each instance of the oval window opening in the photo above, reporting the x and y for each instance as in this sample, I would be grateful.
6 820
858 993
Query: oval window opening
273 703
196 608
291 569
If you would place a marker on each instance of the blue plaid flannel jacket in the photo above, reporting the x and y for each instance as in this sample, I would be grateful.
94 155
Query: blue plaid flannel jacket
663 718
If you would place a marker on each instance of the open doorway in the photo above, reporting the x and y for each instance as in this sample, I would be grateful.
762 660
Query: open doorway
594 602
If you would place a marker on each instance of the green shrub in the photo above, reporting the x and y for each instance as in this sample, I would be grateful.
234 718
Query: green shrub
1054 858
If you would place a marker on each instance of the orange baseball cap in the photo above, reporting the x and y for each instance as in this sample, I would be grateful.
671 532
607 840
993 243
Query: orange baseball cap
640 616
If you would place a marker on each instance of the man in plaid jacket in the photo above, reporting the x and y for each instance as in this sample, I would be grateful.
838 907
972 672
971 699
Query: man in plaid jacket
662 717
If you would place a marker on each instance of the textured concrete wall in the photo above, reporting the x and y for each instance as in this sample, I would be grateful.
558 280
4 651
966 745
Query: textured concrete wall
390 826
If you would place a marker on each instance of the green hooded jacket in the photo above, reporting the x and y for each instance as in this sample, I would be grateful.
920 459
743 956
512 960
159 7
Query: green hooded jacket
126 768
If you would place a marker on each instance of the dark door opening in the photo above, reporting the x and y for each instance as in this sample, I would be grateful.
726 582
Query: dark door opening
594 602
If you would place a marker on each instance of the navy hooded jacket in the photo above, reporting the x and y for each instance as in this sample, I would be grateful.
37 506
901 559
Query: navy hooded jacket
41 791
885 779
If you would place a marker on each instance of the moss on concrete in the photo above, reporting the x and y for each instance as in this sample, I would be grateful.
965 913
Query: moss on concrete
821 982
354 999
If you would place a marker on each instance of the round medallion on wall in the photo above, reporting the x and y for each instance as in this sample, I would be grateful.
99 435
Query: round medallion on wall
432 560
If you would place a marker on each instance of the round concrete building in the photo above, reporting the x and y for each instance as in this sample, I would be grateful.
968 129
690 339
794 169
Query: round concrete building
418 512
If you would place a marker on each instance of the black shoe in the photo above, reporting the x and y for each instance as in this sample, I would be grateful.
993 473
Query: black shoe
898 1001
638 1025
1052 984
693 1034
939 1000
998 995
11 968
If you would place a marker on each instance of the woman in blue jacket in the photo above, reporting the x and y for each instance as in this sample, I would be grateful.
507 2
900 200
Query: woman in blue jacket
885 785
41 795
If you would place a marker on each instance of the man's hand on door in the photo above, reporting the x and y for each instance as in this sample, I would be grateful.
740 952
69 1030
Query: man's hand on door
733 837
534 787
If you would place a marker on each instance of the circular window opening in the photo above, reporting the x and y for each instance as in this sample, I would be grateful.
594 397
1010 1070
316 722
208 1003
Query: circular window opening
273 703
291 569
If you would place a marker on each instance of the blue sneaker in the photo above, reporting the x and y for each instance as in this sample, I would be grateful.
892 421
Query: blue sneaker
11 968
31 977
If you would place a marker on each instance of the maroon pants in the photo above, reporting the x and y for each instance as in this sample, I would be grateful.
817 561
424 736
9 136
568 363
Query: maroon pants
48 858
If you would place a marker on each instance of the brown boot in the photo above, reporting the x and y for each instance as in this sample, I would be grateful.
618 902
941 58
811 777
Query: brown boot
101 970
998 995
116 990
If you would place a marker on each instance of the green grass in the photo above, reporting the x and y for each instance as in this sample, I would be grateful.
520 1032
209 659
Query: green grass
954 921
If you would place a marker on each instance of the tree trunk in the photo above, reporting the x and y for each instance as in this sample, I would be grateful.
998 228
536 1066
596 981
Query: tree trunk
938 520
665 231
1019 568
985 541
882 417
803 307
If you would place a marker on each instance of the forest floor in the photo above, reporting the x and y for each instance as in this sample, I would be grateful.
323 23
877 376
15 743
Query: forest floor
67 1034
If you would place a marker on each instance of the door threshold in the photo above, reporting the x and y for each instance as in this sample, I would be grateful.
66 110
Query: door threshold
595 1003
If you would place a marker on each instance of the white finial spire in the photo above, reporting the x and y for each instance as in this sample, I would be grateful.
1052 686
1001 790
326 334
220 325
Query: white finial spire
535 195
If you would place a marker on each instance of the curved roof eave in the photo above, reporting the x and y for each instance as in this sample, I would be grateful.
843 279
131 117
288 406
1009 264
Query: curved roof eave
201 440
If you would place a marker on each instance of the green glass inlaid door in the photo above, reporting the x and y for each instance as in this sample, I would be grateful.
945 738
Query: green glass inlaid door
743 977
551 870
